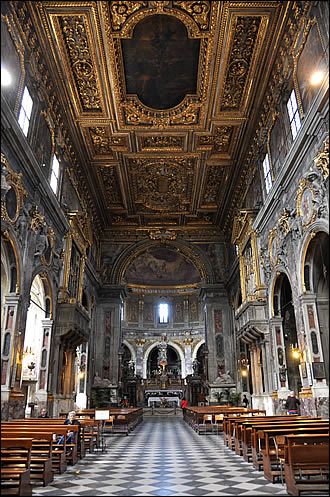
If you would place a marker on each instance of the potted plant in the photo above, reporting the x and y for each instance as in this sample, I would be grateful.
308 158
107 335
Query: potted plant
233 398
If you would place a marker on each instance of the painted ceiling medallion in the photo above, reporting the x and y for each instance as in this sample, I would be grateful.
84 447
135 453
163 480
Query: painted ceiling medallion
161 62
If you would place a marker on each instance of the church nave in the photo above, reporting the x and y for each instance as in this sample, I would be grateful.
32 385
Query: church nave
163 456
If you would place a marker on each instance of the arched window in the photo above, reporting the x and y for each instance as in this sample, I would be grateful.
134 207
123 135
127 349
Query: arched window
163 312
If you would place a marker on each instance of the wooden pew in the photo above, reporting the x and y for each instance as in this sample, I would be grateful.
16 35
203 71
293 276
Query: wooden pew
194 415
15 466
41 454
242 431
59 456
59 421
270 461
228 424
125 419
306 463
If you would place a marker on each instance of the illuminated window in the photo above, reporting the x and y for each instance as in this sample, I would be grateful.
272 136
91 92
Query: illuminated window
163 313
54 176
267 173
25 111
294 116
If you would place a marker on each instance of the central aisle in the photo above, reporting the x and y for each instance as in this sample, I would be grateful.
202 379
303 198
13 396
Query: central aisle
162 456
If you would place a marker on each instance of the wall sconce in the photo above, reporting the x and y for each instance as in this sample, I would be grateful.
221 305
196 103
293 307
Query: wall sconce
81 375
295 351
244 372
29 359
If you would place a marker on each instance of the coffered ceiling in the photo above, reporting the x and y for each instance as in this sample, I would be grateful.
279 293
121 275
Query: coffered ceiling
162 98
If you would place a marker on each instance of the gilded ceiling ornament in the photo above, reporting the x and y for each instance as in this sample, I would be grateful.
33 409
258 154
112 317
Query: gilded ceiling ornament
100 140
112 189
245 36
199 11
162 235
161 142
120 11
162 184
220 141
76 40
159 4
321 161
213 183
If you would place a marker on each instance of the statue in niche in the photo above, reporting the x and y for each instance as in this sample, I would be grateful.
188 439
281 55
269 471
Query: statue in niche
98 382
224 378
162 351
131 368
42 242
195 366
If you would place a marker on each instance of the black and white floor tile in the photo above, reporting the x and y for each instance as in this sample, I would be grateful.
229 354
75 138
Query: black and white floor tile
163 456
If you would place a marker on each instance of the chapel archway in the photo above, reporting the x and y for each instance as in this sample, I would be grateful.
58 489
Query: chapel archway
285 309
37 339
316 284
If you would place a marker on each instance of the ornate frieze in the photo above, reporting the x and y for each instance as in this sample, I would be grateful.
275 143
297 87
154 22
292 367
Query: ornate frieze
219 142
215 177
76 38
102 143
111 186
161 142
162 235
245 33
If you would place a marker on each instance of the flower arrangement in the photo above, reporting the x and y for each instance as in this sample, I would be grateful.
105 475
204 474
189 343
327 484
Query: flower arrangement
124 403
163 402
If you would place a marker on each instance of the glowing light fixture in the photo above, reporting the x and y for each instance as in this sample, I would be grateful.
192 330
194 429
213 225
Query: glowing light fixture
317 78
5 77
295 352
244 372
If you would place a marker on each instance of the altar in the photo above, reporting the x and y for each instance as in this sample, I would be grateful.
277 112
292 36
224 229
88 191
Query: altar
159 399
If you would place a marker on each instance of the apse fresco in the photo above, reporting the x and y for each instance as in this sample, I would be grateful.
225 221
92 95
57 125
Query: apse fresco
161 266
161 62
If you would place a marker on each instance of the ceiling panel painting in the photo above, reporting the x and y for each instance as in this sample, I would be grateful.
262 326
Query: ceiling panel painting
162 266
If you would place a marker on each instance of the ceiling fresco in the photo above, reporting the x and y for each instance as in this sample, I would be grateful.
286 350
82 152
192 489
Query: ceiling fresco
160 97
161 266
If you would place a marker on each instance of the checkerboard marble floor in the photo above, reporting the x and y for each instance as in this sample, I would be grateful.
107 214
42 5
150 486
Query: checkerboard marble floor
163 456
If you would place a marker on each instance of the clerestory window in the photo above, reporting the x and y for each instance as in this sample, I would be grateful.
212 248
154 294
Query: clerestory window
294 116
25 111
163 313
267 174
